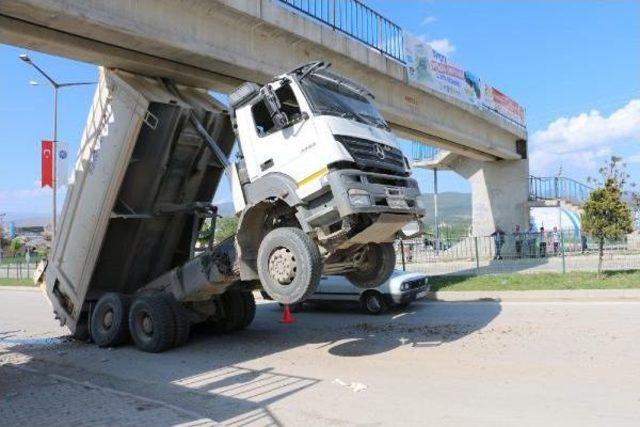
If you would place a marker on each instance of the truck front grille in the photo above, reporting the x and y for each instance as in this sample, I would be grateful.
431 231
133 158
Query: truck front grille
372 155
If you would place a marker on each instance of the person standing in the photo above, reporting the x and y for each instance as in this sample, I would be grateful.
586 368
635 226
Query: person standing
555 240
531 240
498 237
543 243
517 237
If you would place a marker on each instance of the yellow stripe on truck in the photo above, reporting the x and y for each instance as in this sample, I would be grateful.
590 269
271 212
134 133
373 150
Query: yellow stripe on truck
313 176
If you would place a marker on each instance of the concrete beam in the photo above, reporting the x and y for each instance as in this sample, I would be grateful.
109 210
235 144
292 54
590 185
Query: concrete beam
220 43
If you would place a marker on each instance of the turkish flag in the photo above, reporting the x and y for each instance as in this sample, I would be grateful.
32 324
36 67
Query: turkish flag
47 164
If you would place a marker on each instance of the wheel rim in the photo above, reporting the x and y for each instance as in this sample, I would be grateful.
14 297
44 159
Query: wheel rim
146 325
373 304
107 319
282 266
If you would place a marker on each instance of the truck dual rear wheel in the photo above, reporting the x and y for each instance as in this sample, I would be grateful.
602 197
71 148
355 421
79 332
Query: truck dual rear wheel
152 324
379 260
109 324
238 311
289 265
180 320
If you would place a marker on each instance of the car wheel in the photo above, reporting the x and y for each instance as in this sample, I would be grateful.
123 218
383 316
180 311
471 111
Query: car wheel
109 320
373 303
289 265
379 260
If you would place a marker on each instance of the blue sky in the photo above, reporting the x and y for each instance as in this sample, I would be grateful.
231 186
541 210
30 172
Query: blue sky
574 66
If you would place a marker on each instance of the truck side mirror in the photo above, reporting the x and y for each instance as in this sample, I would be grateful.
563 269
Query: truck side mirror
279 118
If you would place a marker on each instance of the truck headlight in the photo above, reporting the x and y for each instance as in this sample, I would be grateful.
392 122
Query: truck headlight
359 197
404 287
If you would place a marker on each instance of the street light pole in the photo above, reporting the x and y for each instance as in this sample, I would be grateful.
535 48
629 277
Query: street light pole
25 58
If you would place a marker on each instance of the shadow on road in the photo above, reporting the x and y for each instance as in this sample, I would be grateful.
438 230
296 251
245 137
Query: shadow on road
214 376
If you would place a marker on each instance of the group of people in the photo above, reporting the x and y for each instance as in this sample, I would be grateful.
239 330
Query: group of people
531 243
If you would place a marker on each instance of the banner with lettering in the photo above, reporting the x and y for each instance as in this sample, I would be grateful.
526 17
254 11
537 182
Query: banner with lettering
428 68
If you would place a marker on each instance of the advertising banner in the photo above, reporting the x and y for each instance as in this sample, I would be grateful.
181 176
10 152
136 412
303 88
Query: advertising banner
428 68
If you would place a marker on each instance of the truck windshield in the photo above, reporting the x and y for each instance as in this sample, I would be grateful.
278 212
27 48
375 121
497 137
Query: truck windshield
328 96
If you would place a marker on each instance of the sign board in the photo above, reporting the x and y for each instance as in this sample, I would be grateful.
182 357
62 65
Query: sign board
428 68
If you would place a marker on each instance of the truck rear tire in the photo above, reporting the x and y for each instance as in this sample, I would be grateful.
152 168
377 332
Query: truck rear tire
109 325
151 323
289 265
249 308
239 309
181 321
379 262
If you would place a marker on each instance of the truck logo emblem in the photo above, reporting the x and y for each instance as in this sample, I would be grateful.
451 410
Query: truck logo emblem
380 152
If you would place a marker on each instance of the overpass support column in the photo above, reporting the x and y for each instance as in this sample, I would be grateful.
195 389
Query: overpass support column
499 193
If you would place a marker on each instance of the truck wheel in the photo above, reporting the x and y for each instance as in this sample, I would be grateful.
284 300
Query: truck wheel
289 265
109 320
233 312
181 320
151 323
373 303
377 266
249 308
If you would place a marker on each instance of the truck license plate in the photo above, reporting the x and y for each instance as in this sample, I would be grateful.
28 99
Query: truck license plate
397 203
421 294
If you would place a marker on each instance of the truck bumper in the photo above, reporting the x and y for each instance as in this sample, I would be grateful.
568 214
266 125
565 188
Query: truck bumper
358 192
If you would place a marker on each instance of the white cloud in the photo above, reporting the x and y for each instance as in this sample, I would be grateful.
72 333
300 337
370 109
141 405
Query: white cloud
28 201
582 141
443 46
634 159
429 20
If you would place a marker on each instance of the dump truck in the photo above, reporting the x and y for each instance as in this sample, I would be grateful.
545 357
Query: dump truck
318 183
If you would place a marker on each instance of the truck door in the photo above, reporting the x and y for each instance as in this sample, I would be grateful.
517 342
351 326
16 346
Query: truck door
274 149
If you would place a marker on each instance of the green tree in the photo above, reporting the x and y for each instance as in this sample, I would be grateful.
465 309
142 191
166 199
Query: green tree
606 215
225 227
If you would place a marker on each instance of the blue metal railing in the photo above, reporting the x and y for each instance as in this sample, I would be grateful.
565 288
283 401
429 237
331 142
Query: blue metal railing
423 152
558 188
356 20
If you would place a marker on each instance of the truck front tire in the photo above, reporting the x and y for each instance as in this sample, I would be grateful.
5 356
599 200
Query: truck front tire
289 265
376 268
151 323
109 324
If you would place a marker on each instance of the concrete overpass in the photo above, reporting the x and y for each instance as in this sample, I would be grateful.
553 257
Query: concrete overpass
218 44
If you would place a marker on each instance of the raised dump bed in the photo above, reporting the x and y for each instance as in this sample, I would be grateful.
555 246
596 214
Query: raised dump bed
143 182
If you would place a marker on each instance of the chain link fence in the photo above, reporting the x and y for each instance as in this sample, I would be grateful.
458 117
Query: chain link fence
561 252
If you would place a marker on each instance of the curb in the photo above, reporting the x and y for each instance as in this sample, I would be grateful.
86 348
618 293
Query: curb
541 295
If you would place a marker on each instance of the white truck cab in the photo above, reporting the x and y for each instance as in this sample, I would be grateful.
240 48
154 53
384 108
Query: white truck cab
316 156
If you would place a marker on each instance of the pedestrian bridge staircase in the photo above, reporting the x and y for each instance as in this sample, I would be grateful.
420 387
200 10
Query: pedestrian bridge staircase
546 190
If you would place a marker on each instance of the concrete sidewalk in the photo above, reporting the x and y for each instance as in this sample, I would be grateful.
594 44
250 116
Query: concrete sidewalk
539 295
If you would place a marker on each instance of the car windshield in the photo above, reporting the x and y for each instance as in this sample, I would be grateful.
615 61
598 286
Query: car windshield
328 96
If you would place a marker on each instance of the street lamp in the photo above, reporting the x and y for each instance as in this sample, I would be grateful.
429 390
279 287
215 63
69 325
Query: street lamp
25 58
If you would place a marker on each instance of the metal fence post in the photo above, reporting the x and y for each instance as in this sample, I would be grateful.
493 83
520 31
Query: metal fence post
402 255
564 266
475 240
334 15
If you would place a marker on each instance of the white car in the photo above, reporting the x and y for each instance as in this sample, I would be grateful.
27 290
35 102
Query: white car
400 290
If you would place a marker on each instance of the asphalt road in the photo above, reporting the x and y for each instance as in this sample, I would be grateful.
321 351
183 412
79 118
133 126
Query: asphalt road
465 363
